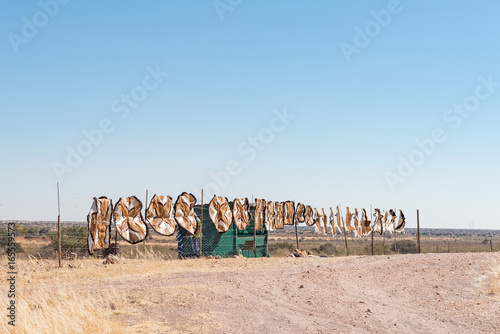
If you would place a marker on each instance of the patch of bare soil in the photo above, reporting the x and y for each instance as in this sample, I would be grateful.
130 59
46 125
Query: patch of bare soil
431 293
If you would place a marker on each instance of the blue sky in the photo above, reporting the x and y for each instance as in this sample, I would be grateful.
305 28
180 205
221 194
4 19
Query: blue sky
227 79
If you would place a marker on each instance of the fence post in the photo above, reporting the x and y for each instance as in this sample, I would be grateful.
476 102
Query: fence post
345 230
201 226
371 217
418 230
59 224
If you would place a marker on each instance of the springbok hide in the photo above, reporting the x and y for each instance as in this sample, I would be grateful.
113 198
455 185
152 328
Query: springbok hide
356 223
161 215
184 212
279 215
317 222
332 222
270 216
99 224
325 221
241 213
365 223
348 220
401 223
289 213
391 221
129 221
260 209
300 214
378 224
339 220
309 216
220 214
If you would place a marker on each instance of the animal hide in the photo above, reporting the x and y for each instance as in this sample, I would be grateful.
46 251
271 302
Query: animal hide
401 223
129 221
348 220
241 213
300 213
99 224
391 221
184 213
317 222
289 213
339 221
308 215
385 221
356 223
332 222
161 215
260 209
279 215
378 225
270 216
365 223
325 221
220 213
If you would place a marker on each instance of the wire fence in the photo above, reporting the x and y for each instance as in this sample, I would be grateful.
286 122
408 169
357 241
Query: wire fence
74 241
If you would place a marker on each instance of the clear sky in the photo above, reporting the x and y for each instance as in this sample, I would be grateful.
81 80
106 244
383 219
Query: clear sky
183 95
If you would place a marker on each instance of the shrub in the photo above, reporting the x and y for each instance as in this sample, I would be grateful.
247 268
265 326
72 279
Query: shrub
73 239
379 248
328 249
282 245
405 247
4 242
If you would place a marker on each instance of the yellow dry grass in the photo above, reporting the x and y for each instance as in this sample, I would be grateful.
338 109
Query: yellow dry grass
493 276
86 297
52 303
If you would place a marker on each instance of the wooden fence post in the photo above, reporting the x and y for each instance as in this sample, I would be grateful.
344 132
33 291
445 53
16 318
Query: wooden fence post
59 224
418 231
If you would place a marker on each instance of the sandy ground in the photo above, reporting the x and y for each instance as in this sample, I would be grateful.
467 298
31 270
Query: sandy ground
432 293
428 293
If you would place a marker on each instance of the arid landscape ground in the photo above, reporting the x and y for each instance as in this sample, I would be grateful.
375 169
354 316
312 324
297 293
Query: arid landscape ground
426 293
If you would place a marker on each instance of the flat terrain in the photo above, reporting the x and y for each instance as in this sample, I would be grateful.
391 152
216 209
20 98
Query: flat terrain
428 293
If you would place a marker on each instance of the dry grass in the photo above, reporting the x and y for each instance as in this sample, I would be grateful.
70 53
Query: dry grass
57 305
493 276
87 297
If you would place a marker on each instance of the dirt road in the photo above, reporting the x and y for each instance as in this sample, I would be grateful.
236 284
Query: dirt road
432 293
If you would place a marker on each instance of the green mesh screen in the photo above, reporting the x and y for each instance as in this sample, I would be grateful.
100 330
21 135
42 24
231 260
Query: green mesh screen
229 244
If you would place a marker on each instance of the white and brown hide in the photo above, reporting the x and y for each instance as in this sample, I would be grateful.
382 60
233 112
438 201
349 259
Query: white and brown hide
289 213
365 223
279 215
356 223
270 216
391 221
129 221
317 222
325 221
184 212
99 224
220 213
339 220
401 223
378 225
260 209
348 220
300 213
332 222
385 221
161 215
309 216
241 213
